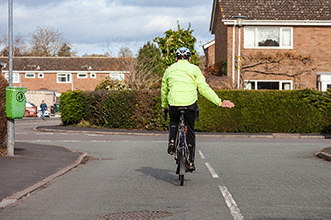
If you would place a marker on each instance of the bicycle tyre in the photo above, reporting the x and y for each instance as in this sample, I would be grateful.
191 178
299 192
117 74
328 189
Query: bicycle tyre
181 179
182 170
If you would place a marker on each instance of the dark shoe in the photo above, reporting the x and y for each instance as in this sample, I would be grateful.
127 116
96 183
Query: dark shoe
171 147
191 167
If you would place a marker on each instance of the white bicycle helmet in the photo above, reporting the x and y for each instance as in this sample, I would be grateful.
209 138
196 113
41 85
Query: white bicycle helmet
183 53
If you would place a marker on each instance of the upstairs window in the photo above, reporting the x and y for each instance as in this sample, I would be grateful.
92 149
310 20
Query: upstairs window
119 77
64 78
81 75
268 37
16 77
93 75
30 75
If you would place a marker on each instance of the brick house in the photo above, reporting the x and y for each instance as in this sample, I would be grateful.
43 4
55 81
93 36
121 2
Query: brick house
209 50
63 73
47 77
284 44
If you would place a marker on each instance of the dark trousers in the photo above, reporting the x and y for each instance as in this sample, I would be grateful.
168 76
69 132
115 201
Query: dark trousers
189 119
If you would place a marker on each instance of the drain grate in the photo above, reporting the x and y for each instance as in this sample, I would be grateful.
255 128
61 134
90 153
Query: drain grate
137 215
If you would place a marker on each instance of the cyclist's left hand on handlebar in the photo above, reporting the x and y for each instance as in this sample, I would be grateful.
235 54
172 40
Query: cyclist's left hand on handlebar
227 104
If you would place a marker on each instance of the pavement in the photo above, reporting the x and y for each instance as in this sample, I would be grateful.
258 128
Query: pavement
34 165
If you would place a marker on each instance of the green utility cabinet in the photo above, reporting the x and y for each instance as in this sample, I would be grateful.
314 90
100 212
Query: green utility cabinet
15 102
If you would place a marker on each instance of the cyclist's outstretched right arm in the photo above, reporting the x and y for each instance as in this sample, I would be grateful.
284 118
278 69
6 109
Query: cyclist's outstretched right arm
205 90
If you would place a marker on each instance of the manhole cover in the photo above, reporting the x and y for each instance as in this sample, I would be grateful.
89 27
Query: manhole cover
138 215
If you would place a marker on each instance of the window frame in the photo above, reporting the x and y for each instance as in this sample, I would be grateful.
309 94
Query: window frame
16 77
281 82
66 75
256 43
117 76
93 75
32 77
41 75
80 77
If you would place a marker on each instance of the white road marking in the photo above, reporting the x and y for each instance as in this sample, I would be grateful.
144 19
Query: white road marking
211 170
235 212
202 156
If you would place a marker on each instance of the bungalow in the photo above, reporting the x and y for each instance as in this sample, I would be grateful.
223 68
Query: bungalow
283 45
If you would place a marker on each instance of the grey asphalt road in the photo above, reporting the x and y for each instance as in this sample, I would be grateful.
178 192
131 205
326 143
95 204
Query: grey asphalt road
236 178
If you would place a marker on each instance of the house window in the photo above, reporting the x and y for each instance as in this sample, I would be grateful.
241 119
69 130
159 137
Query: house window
40 75
93 75
268 37
268 84
16 77
119 77
64 78
30 75
81 75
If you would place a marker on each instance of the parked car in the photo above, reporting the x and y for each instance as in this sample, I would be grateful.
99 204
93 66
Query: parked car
30 110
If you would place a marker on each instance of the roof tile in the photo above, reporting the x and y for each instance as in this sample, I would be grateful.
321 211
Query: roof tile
277 9
66 63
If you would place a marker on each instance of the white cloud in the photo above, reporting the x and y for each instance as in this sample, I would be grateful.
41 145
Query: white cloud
94 22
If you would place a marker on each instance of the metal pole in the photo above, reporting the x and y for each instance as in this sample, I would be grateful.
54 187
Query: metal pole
239 33
10 122
233 52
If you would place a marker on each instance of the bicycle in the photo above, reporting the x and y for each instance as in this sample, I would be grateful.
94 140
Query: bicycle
182 155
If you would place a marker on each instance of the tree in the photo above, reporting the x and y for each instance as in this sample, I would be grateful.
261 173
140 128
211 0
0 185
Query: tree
18 47
125 52
65 51
149 59
46 41
174 40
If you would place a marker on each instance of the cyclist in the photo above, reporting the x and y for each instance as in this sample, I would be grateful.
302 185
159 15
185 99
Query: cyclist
180 84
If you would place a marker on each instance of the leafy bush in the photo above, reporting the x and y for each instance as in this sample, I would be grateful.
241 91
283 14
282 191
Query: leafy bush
109 84
72 104
111 109
3 117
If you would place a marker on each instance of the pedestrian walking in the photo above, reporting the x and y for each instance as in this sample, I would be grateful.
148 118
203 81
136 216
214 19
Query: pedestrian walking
43 107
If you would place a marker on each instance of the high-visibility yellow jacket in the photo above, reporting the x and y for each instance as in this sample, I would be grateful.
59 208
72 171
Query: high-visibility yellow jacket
181 83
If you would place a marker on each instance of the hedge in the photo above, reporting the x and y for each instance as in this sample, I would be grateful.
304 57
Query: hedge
303 111
3 117
300 111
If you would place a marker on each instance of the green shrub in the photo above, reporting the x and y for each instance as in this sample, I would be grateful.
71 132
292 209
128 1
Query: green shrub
111 109
3 117
72 105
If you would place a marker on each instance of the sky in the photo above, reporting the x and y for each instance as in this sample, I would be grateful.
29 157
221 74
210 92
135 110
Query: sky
99 26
